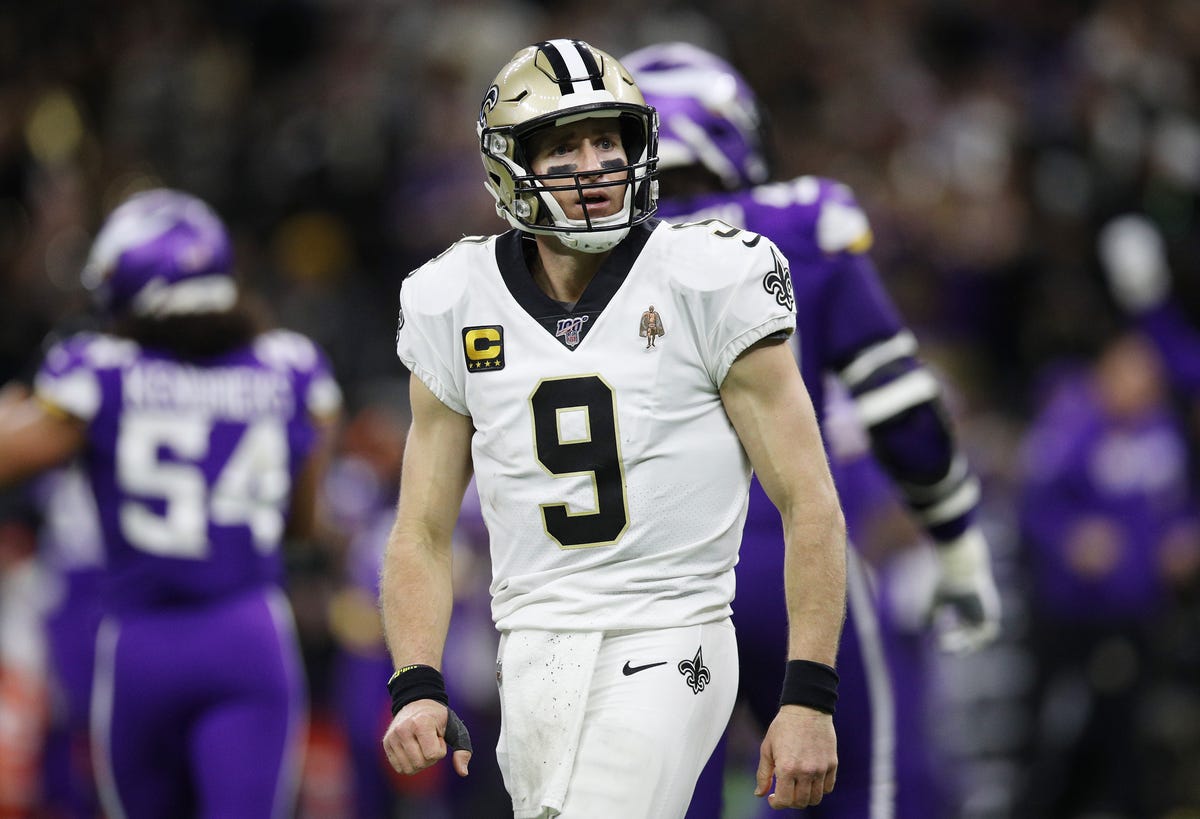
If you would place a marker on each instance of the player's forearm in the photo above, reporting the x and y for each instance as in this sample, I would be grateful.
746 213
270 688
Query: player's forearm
899 401
32 438
815 577
416 596
919 451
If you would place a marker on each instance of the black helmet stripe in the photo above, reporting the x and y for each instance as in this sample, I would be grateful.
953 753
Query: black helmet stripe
575 67
589 63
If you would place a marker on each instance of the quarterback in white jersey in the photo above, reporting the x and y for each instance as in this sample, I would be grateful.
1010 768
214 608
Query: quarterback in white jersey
613 463
601 465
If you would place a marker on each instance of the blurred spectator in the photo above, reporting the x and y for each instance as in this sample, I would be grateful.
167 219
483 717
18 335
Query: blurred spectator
24 689
1134 257
1110 528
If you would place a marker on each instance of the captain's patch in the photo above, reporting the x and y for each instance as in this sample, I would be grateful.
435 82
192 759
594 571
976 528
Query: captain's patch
484 347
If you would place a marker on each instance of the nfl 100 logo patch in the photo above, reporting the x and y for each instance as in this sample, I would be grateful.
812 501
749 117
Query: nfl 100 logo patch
570 330
483 347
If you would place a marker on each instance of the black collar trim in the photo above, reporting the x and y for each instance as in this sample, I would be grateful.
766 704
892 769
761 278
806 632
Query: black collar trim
511 249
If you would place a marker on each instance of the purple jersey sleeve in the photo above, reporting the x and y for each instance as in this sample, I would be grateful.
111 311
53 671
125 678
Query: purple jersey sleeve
848 325
68 381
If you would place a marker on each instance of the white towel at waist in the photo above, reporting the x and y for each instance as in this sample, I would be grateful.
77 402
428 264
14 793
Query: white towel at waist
544 681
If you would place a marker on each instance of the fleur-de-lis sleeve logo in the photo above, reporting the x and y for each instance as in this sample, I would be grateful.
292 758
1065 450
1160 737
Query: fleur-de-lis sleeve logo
694 672
779 284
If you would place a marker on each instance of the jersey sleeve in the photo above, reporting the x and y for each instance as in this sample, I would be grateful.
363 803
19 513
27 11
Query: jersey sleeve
424 337
898 399
67 381
317 396
316 387
322 395
754 301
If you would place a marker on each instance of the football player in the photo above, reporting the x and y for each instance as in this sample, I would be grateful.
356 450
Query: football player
713 164
613 479
203 436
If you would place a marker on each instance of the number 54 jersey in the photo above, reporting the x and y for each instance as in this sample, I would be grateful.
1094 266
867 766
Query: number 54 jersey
192 465
612 482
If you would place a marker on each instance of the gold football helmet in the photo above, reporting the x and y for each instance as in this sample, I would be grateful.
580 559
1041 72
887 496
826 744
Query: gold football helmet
555 83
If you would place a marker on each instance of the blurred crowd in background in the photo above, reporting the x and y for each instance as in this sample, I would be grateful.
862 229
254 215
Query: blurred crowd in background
989 143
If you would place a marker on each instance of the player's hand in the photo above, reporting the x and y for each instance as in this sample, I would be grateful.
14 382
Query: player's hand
418 737
965 610
1134 259
800 753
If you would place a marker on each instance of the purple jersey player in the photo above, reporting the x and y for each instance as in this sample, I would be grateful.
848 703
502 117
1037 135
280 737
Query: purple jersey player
202 436
712 166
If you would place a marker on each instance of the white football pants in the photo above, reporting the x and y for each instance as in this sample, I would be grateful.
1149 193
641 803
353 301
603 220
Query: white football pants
653 709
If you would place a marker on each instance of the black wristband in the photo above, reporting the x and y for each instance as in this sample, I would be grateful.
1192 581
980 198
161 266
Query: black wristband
813 685
416 682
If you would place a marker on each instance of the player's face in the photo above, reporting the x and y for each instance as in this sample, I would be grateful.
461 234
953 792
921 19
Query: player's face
591 148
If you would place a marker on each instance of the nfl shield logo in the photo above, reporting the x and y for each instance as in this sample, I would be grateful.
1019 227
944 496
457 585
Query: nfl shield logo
568 330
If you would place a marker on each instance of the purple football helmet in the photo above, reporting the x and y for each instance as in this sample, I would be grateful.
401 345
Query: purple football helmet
162 252
708 115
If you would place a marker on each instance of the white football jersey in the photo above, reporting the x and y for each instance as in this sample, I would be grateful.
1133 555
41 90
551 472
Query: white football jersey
612 483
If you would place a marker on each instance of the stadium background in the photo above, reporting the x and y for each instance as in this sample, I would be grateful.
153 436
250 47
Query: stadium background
988 141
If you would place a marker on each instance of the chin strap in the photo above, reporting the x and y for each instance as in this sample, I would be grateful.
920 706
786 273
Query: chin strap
595 241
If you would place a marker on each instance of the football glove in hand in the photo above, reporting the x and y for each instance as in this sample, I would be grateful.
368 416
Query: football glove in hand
1134 259
965 610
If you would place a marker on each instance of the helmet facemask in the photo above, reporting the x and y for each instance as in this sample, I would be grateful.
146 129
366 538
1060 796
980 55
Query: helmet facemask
515 110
